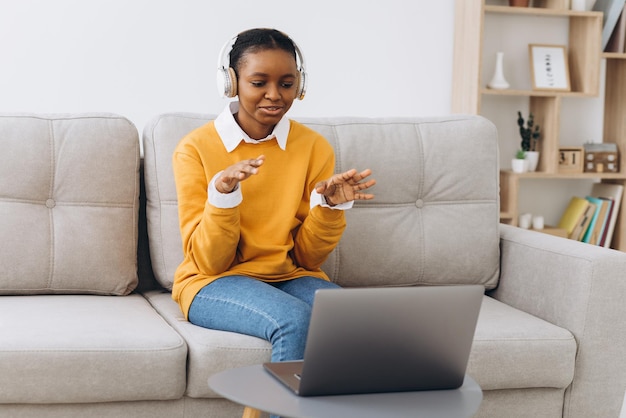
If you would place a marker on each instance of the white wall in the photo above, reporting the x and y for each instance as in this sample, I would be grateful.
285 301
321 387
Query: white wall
140 58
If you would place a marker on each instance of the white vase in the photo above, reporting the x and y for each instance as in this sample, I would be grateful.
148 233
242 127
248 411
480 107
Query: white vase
538 222
519 165
525 220
533 158
498 82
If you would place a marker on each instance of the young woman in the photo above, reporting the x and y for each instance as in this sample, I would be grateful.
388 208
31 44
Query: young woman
259 207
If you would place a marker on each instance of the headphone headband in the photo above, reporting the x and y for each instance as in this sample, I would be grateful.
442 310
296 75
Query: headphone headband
227 79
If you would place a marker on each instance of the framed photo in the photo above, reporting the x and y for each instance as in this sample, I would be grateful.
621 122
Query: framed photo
548 67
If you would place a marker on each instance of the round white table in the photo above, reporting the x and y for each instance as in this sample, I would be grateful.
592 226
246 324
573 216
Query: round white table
255 388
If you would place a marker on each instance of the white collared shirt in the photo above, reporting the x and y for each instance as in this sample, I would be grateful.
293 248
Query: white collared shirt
231 135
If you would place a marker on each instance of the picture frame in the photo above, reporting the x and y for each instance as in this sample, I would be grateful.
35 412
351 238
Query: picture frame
549 67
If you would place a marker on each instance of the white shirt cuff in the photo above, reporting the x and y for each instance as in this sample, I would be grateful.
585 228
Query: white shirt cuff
223 200
319 200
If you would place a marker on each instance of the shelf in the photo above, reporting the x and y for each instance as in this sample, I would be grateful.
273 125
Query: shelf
583 39
539 11
614 55
573 176
536 93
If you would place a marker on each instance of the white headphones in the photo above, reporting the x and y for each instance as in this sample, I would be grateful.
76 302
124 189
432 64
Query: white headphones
227 79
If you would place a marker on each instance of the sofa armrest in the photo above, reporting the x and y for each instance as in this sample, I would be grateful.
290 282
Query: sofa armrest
582 288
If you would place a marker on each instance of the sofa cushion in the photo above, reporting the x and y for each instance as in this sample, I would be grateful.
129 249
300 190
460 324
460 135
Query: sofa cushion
515 350
160 137
69 187
84 348
511 349
434 219
210 351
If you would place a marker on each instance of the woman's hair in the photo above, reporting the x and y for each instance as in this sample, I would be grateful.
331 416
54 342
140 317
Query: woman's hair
254 40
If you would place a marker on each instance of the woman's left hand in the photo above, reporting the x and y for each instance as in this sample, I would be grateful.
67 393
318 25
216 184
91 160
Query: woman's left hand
345 187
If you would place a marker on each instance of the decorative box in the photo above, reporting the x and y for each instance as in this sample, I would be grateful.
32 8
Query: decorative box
601 158
571 160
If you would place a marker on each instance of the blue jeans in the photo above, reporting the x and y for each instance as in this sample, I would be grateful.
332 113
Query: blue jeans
277 312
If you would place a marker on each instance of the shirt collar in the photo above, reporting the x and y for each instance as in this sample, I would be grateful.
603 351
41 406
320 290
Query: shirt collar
231 133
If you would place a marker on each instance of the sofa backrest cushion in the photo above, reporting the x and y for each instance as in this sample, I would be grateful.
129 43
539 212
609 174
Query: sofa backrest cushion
69 188
434 220
160 137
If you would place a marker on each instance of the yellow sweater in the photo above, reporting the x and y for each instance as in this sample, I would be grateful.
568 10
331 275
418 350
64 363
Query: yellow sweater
273 234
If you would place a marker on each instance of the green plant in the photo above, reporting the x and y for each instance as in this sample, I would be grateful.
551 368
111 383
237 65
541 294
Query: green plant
530 136
520 154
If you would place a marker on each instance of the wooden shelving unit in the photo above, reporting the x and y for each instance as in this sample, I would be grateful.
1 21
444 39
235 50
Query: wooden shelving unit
585 58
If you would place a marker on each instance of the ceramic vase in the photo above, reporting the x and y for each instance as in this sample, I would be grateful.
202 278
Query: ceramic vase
498 82
519 166
533 158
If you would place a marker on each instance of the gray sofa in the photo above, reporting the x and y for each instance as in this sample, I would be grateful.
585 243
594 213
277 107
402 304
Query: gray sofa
89 328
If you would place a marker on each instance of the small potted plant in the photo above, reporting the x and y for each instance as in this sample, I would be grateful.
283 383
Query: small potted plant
519 164
530 134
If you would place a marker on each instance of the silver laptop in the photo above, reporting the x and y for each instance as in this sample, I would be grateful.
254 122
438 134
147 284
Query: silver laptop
385 340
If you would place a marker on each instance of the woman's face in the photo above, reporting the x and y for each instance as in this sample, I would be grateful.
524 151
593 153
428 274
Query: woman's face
266 87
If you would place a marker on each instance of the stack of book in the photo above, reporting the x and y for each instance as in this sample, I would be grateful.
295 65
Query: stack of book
592 219
613 24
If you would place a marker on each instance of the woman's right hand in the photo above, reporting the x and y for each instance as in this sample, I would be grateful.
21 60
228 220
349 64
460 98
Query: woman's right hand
237 172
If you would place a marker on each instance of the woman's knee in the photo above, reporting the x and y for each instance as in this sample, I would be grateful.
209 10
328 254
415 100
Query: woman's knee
289 340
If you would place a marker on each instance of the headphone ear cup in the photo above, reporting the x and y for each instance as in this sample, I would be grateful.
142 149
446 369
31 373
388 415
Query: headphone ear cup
226 82
301 92
232 81
221 81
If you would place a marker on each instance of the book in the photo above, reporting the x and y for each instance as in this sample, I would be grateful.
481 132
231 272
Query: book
581 229
574 213
613 192
603 233
611 10
592 234
618 37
